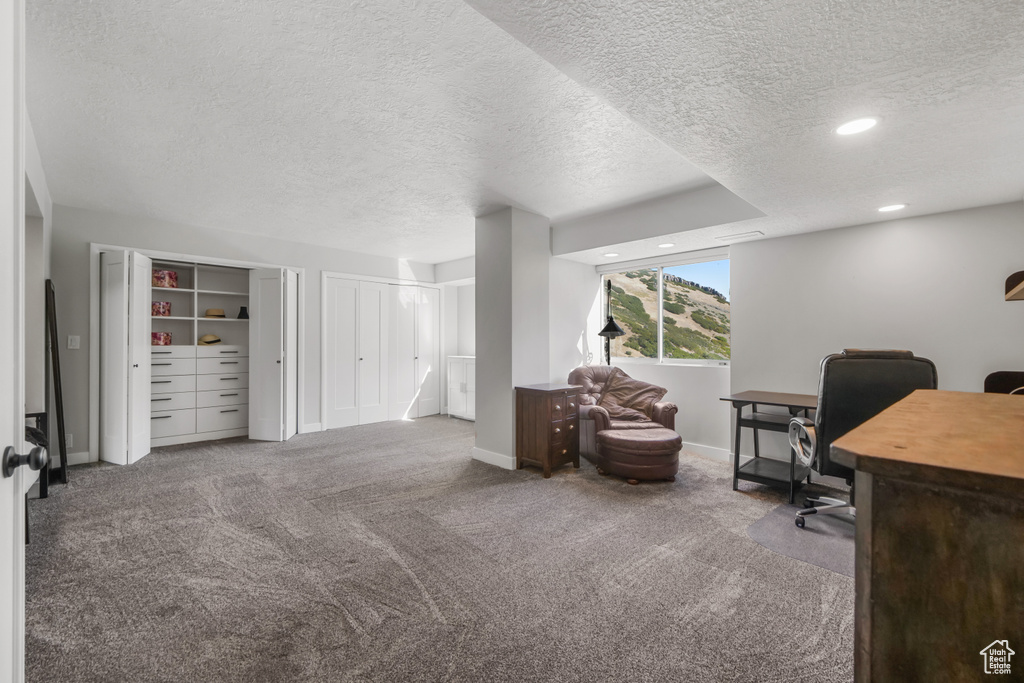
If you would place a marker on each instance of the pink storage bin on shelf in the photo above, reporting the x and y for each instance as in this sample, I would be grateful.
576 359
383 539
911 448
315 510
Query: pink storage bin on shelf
165 278
161 308
161 338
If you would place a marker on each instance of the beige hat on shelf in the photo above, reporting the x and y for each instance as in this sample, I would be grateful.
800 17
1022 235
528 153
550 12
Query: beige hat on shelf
208 339
214 313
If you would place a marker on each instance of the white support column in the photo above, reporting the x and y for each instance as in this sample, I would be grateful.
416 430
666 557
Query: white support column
513 254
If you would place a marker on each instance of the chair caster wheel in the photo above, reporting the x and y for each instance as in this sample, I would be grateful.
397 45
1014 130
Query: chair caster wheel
808 504
800 522
632 482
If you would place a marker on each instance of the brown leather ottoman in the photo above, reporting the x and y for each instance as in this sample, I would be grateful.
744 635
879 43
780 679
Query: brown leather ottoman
638 453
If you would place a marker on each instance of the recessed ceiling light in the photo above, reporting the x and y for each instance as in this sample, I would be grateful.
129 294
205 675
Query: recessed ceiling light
610 254
893 207
666 245
856 126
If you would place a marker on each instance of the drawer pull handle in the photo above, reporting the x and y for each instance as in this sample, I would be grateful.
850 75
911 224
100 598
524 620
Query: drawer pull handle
229 362
160 417
572 405
229 351
564 451
571 427
233 410
161 381
161 399
557 430
229 394
226 379
162 352
558 407
156 364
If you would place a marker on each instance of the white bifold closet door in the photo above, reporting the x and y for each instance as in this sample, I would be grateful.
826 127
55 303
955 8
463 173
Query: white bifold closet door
273 381
415 353
125 331
355 352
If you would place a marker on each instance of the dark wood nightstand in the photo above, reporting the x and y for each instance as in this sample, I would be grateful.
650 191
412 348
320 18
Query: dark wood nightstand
547 426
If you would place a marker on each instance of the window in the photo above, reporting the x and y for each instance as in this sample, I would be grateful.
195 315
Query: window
690 303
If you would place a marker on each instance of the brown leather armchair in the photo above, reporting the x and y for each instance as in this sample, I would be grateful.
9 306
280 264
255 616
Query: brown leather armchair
594 418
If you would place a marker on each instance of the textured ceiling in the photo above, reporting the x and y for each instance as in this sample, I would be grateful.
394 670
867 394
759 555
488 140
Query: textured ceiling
379 127
750 92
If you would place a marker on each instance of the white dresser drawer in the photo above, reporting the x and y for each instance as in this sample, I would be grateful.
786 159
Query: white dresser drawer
172 423
226 417
225 397
218 366
173 385
173 366
173 352
221 351
164 402
239 380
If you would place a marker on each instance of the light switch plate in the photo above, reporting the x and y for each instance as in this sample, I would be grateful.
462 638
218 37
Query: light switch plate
74 341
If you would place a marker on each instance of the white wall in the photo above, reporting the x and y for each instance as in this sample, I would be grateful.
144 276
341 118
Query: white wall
467 320
931 284
36 267
75 228
575 317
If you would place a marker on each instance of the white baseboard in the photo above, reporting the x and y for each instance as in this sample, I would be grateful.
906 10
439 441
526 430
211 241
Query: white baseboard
80 458
507 462
311 427
713 452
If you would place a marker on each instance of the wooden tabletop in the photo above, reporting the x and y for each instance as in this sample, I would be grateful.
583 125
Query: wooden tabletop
549 387
973 433
773 398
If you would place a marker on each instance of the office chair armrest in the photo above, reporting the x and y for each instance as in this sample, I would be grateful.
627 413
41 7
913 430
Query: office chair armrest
665 413
602 420
803 440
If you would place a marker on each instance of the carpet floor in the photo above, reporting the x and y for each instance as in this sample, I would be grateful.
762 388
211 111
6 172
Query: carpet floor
385 553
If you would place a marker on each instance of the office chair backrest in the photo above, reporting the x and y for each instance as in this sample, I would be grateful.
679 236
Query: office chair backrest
1005 382
856 385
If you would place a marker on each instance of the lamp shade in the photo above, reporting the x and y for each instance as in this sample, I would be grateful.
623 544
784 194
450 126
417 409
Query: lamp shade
611 330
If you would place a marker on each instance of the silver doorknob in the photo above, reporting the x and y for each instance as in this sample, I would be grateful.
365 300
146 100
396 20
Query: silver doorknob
36 460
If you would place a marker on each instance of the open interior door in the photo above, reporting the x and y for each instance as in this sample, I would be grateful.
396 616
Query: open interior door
273 385
125 341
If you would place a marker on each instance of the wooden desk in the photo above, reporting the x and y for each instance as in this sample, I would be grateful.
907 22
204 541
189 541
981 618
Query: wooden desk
769 471
940 535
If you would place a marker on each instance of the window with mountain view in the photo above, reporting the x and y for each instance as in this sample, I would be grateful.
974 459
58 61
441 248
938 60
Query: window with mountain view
694 305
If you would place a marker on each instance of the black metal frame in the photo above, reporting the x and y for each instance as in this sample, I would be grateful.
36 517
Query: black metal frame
768 471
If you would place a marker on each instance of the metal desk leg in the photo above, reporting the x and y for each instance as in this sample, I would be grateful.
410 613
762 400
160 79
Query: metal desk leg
757 441
736 454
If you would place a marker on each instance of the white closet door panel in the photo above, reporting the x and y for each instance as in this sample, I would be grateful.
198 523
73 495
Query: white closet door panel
471 389
140 346
291 353
266 354
428 357
114 357
373 366
340 352
456 392
402 352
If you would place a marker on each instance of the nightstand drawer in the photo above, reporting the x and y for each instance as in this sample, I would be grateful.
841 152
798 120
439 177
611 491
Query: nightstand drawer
218 366
165 402
173 366
225 397
173 385
225 417
173 423
239 380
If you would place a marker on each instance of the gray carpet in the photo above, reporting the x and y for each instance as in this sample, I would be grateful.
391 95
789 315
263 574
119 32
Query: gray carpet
826 541
384 553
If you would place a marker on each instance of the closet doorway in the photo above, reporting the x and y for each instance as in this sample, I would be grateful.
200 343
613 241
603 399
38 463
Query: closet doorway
381 351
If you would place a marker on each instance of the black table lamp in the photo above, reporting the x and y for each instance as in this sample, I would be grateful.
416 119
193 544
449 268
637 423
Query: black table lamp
611 330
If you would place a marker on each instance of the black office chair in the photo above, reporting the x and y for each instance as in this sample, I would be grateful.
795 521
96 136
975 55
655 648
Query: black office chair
853 387
1005 382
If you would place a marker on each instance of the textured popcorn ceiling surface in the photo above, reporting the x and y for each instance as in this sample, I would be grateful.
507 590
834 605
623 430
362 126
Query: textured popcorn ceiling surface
750 92
385 126
376 126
